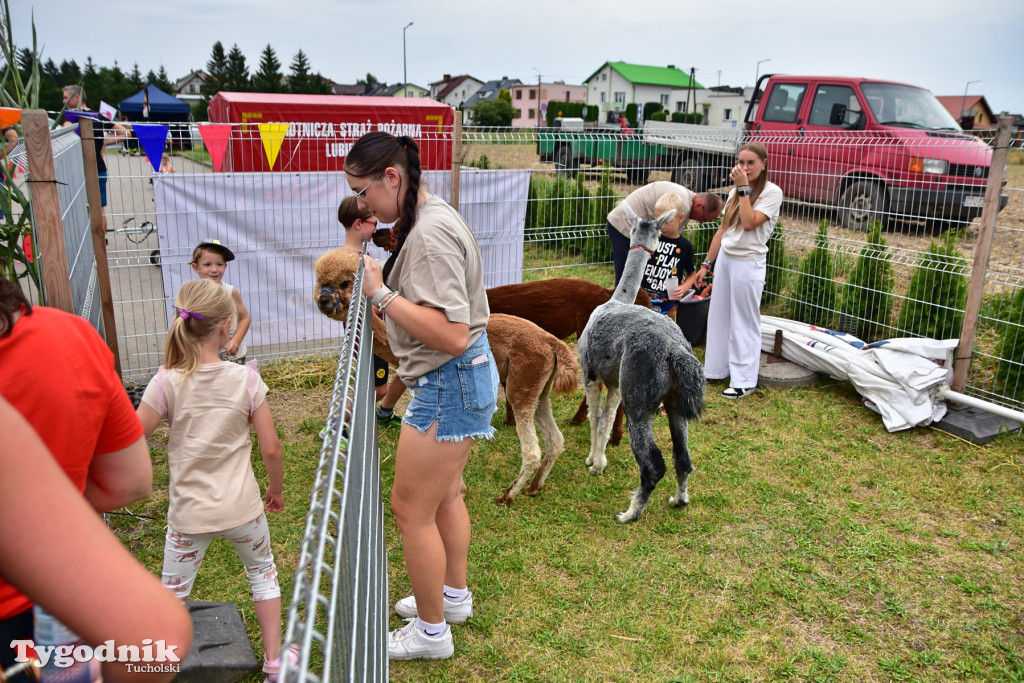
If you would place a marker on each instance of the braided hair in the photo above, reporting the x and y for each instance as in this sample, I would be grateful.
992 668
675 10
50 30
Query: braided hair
371 155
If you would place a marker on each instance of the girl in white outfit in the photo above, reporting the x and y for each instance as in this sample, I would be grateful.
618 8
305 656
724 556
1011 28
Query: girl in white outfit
740 250
210 405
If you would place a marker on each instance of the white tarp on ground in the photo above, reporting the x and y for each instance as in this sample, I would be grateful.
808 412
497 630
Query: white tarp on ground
278 224
903 379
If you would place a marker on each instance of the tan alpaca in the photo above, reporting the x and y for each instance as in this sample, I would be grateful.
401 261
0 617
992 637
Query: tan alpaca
561 306
531 364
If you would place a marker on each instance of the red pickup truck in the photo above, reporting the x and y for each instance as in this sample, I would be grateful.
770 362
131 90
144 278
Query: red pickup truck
867 147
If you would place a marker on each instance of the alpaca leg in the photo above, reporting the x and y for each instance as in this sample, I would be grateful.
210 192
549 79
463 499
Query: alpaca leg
595 459
649 460
681 455
530 456
616 437
554 444
605 413
581 413
510 417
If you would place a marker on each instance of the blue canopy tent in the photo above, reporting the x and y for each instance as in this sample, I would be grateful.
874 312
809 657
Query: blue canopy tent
163 108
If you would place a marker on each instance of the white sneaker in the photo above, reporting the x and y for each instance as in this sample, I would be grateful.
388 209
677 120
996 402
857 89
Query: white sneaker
409 642
454 612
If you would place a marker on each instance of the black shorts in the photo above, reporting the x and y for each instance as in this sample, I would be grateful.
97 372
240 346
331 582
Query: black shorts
380 371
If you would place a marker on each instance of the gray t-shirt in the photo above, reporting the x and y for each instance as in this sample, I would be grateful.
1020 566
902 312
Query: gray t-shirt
439 267
643 200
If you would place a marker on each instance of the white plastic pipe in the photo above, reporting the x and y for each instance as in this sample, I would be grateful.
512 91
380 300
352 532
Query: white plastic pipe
1001 411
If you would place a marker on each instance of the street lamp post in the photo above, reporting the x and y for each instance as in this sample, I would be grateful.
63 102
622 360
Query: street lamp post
405 78
963 102
757 71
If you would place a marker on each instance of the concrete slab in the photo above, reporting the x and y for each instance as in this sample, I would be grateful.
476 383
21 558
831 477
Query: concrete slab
783 373
221 652
974 424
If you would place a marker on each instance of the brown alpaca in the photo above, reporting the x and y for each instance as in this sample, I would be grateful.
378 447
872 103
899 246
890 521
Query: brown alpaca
562 307
531 364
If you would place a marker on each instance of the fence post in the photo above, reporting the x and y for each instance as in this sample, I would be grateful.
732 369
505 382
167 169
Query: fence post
456 158
982 252
99 237
47 227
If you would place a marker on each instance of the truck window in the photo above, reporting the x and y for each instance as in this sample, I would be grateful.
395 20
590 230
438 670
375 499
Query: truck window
784 102
827 95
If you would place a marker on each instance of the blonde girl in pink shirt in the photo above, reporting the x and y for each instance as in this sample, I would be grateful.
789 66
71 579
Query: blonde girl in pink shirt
210 406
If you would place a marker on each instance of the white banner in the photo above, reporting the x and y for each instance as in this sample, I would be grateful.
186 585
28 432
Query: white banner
279 224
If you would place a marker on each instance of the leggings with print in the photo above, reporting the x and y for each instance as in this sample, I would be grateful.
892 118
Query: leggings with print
183 553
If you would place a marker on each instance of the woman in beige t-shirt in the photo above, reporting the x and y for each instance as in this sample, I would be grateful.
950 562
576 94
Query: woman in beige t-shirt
431 292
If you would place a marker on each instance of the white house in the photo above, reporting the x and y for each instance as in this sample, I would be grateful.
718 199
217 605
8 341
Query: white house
617 84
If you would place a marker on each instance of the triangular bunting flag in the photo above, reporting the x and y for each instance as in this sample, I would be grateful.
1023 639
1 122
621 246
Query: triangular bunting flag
72 116
272 135
9 117
216 138
107 111
152 137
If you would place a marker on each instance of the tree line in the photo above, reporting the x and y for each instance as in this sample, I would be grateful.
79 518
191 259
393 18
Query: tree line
225 70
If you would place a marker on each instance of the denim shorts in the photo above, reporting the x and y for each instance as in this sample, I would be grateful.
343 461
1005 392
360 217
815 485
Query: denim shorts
461 396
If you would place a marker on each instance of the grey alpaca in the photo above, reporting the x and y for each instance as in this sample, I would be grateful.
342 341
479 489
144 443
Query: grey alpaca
644 360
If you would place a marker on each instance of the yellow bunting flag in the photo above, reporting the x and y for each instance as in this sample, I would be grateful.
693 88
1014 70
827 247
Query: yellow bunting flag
272 135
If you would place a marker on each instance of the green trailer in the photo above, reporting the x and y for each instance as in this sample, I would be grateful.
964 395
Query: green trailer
572 145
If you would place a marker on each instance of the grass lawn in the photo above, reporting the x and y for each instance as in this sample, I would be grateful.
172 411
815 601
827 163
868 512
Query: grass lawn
816 547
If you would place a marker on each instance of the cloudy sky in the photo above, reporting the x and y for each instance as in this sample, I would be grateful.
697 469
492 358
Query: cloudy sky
942 45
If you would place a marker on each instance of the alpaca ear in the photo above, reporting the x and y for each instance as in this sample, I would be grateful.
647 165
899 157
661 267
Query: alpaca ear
665 218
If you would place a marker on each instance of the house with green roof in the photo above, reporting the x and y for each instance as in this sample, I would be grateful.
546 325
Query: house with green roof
616 84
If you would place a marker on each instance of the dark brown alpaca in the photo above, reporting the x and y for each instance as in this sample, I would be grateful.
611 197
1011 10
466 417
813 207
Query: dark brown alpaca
531 364
562 307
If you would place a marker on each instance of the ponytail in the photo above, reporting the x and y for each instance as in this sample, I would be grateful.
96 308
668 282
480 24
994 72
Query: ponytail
372 154
200 308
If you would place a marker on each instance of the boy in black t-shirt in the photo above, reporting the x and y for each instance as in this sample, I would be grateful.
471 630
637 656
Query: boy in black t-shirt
672 262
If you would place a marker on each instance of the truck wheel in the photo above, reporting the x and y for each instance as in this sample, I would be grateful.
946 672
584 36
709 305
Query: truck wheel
690 175
861 202
564 161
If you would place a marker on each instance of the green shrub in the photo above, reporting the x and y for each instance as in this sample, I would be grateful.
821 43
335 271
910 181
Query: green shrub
775 275
650 108
571 109
540 188
934 304
867 297
605 200
700 236
659 116
1010 350
682 117
814 295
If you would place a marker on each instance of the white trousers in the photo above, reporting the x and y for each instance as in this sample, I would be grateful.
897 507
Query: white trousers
733 347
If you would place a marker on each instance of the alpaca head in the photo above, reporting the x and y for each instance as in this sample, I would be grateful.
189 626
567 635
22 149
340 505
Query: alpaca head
335 272
646 234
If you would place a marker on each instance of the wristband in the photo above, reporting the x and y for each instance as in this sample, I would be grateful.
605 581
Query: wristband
743 191
707 264
379 296
387 301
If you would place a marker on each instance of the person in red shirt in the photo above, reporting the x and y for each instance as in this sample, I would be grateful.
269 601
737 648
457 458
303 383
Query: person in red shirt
59 375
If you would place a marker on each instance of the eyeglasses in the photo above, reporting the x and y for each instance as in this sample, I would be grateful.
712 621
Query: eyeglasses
361 195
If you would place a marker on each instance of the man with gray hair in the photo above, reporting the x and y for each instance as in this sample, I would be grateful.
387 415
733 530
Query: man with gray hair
74 100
